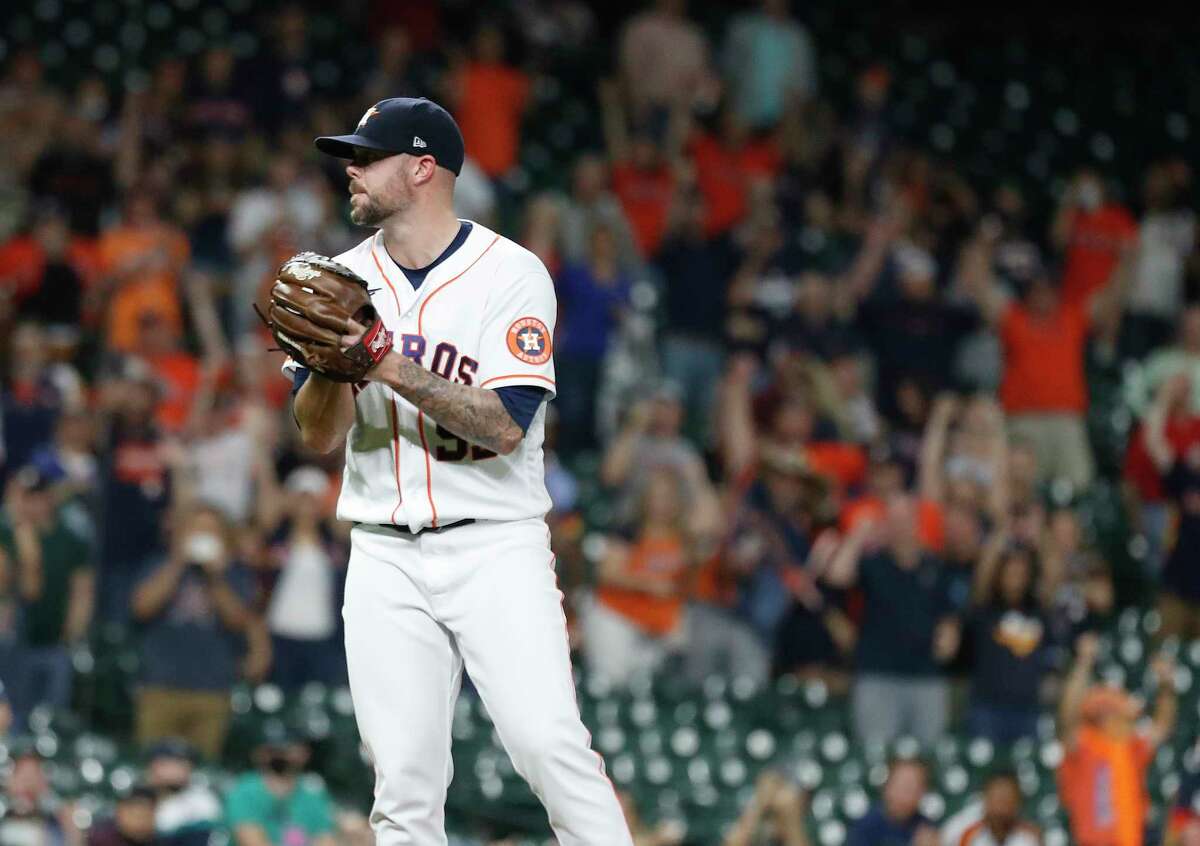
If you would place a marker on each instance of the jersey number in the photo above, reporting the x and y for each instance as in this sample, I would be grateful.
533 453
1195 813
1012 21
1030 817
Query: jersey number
457 448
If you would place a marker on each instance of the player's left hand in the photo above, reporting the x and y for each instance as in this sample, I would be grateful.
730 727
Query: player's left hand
316 306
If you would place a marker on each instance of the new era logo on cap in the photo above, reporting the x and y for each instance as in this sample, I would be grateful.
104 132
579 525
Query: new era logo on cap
402 125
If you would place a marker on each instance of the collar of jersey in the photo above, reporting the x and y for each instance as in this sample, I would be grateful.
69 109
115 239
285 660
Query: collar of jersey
455 264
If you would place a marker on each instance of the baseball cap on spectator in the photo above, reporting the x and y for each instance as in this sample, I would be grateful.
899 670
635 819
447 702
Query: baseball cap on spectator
412 125
171 747
309 480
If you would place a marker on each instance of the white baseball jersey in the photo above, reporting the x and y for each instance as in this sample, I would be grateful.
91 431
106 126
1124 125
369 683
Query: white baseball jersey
484 317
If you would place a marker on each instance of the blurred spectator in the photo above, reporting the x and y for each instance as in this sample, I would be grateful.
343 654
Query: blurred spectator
1093 231
225 444
1143 382
1010 639
775 814
1084 597
914 334
636 621
590 204
666 833
474 195
137 468
132 823
187 813
306 572
490 96
194 606
47 272
267 218
1179 469
74 173
993 821
37 391
541 234
6 712
663 59
275 803
53 568
395 71
1044 391
1166 237
217 105
1183 819
33 813
907 629
696 272
1102 778
769 62
143 259
643 176
282 74
651 439
897 819
729 165
594 297
745 595
964 464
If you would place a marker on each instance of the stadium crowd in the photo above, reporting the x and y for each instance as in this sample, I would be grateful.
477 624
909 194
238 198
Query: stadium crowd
833 392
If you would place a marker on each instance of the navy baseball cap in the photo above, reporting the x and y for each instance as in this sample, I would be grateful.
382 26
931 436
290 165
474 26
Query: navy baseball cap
411 125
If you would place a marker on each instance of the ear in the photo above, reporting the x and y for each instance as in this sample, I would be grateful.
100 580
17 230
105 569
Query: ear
424 169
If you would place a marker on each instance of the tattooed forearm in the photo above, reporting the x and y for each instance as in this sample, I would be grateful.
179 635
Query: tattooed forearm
474 414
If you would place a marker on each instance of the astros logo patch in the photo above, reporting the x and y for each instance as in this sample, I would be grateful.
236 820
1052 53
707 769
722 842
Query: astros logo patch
529 340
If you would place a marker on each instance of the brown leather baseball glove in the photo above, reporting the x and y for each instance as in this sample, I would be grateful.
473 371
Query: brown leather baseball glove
315 302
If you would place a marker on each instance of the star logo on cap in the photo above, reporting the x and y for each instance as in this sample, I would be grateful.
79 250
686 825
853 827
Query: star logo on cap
370 113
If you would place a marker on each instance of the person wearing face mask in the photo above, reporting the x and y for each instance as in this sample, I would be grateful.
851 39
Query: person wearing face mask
274 804
186 812
1092 230
194 607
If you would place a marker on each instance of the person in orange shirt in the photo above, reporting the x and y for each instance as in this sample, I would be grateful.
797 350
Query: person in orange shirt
1044 337
142 259
491 98
726 164
635 621
1102 778
1093 230
884 479
643 178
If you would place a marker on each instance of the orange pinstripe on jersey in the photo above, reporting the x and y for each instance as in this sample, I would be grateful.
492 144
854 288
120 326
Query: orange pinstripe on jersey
391 287
396 455
420 415
428 468
517 376
395 421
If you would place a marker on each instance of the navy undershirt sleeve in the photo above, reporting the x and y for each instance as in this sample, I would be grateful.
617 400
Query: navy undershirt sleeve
521 402
299 377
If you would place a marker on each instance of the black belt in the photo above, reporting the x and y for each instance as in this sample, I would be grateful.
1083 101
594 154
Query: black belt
403 530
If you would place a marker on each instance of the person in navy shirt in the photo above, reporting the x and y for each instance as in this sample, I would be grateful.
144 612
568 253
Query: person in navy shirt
897 820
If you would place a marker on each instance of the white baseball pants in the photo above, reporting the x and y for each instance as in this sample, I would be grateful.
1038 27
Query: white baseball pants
483 596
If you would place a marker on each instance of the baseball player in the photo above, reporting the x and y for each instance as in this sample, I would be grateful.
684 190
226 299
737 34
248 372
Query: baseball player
450 563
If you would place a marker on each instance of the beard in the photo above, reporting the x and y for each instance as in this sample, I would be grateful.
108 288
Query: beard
373 211
368 213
